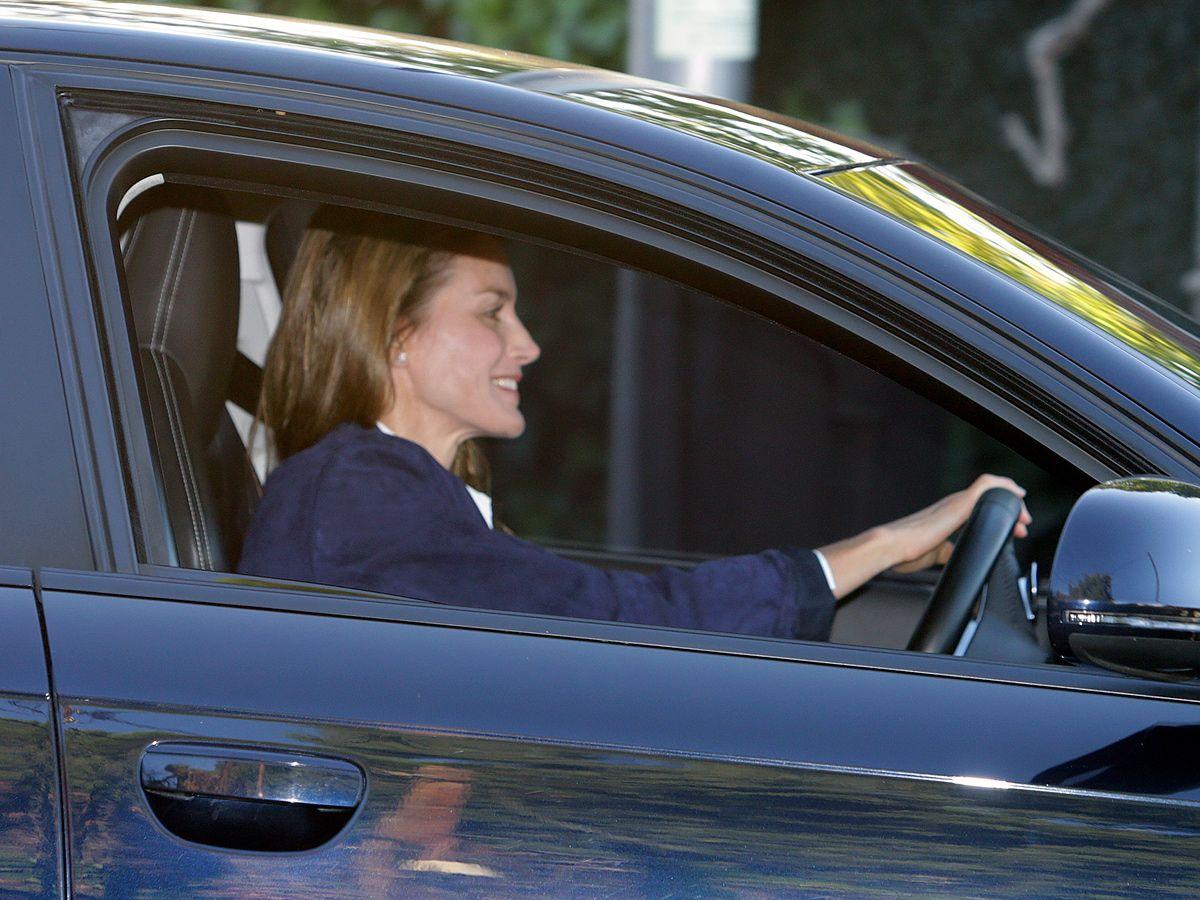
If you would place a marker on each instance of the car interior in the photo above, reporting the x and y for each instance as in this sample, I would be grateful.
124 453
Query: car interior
204 270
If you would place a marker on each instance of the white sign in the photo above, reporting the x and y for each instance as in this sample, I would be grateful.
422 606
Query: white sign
711 29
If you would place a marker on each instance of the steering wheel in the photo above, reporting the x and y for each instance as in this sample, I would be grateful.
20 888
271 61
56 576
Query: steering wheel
970 565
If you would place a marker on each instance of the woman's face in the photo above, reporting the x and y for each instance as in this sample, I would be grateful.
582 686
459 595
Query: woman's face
462 372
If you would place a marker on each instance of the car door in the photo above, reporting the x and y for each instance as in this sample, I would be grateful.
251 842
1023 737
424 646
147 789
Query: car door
31 857
491 753
42 521
226 736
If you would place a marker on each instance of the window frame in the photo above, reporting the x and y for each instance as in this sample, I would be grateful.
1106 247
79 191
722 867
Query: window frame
709 268
108 180
715 277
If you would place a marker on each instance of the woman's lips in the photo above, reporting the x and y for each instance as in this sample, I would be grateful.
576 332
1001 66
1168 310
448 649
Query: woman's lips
506 383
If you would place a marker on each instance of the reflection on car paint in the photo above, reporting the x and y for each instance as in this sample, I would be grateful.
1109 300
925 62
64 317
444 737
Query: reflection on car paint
455 814
29 822
777 142
1133 543
918 198
1156 760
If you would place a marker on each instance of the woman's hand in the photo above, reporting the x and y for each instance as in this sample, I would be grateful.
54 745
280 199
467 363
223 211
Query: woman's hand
915 542
921 538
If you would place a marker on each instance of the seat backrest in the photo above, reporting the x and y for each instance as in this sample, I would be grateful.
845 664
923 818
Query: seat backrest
285 230
181 267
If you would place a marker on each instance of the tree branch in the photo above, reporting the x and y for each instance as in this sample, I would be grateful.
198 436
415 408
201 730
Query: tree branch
1045 157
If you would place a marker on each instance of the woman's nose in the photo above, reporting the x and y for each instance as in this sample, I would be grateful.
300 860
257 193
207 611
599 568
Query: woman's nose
524 348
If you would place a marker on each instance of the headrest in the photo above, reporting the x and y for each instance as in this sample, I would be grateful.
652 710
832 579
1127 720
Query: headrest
285 230
181 266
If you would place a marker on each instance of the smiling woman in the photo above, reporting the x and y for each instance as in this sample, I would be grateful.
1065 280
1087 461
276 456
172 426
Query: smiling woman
359 286
457 357
399 345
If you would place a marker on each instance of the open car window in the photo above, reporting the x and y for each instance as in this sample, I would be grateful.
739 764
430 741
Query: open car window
668 421
664 425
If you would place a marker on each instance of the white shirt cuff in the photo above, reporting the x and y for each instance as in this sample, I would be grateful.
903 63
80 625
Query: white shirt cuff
825 568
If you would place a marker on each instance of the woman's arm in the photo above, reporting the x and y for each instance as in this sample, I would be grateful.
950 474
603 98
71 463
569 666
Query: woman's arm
385 516
915 542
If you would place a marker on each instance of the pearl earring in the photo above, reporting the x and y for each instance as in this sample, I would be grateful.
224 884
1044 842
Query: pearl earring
401 358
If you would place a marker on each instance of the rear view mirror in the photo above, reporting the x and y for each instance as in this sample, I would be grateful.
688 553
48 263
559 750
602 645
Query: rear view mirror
1125 585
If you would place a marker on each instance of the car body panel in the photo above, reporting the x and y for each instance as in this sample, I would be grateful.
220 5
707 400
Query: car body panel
42 520
31 846
473 815
23 662
245 42
507 763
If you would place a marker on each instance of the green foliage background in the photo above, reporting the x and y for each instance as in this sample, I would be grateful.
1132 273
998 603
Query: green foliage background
585 31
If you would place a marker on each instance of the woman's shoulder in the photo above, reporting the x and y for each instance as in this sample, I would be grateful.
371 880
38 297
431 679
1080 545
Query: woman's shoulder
350 446
351 455
355 468
356 484
360 486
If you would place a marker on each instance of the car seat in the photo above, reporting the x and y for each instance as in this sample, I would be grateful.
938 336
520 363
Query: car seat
181 269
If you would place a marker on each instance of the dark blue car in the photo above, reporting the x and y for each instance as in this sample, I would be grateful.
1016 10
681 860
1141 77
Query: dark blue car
172 728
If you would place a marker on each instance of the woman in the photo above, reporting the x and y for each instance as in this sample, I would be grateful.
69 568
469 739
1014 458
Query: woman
393 353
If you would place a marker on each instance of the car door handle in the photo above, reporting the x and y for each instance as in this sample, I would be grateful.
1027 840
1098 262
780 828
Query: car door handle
249 799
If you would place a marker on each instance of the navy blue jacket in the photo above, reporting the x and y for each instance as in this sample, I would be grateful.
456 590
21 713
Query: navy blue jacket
363 509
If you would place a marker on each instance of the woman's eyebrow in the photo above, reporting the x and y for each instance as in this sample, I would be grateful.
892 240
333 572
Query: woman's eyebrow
502 293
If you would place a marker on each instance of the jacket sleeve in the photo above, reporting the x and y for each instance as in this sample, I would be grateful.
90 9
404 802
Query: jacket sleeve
384 522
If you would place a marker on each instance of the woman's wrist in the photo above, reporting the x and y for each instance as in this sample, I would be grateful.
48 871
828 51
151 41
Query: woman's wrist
858 559
889 544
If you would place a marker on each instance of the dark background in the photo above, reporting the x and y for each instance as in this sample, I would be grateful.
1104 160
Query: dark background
787 442
933 79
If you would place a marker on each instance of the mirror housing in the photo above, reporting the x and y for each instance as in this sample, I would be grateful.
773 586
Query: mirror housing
1125 584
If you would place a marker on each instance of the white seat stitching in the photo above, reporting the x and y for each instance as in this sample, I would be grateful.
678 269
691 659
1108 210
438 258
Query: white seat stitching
133 238
177 439
207 554
172 259
163 319
187 241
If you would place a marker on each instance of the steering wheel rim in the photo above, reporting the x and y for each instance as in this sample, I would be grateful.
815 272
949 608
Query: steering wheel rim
983 537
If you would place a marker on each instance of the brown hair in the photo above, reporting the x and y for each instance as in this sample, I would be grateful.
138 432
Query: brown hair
358 281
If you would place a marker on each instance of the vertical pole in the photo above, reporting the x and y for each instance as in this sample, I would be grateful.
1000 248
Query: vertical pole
625 438
624 432
708 46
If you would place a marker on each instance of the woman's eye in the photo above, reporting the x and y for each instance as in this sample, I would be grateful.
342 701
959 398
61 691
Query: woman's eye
494 312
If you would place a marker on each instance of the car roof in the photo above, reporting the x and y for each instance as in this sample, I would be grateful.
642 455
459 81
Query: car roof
167 34
365 59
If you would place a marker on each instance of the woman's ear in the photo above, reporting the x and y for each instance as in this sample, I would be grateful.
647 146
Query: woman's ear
397 355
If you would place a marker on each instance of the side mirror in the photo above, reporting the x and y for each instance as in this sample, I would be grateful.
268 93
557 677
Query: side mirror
1125 584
